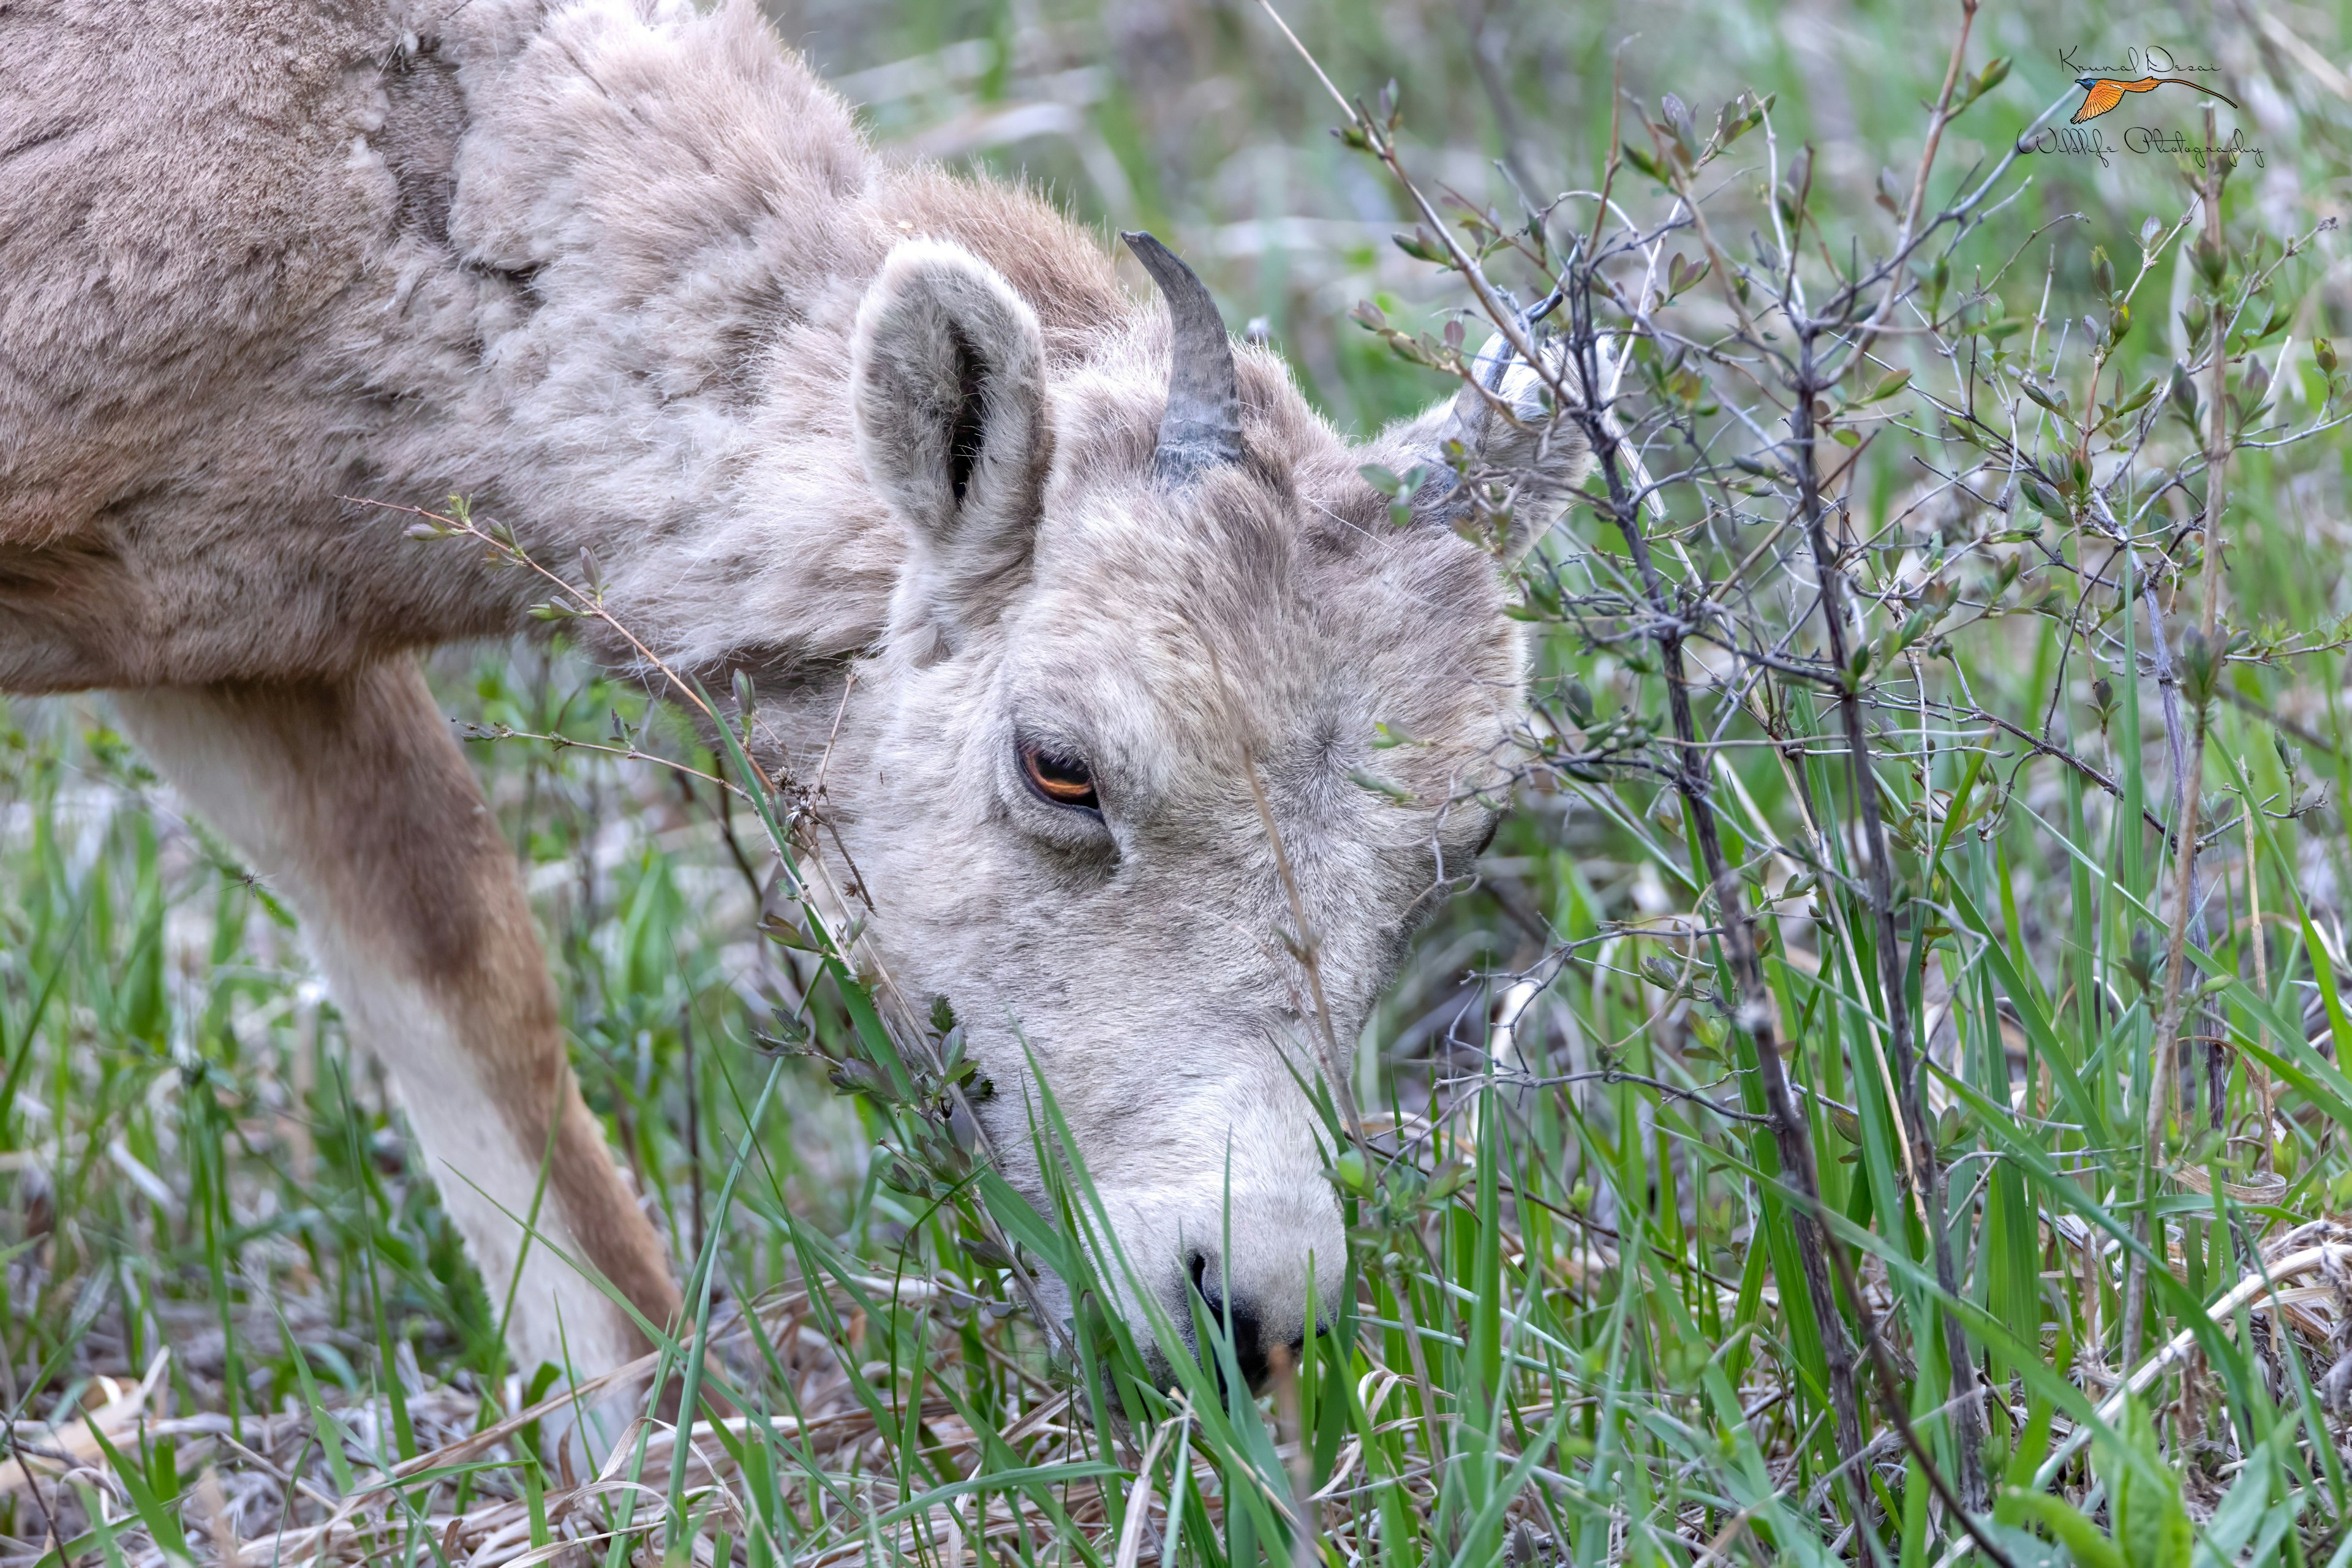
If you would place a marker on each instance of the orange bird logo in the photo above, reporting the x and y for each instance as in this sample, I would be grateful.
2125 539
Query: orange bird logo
2101 93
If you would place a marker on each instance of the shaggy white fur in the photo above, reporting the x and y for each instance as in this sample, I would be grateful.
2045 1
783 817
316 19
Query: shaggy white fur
627 276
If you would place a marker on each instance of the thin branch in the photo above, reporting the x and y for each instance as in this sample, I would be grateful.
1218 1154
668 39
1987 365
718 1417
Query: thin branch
1750 999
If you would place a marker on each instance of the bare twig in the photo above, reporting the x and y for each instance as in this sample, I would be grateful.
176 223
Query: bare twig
2188 774
1751 1003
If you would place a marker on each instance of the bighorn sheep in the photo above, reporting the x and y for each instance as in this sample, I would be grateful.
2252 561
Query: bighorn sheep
1056 571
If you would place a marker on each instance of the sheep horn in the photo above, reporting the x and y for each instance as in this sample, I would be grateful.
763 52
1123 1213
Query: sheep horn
1202 426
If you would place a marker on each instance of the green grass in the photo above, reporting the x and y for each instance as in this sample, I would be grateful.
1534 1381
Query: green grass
1576 1331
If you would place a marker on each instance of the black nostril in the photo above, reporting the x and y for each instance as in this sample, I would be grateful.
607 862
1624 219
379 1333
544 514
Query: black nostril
1239 1323
1249 1347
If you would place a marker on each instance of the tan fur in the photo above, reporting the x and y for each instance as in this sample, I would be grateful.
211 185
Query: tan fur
353 796
627 276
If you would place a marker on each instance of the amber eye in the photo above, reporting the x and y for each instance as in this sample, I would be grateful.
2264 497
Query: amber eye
1060 778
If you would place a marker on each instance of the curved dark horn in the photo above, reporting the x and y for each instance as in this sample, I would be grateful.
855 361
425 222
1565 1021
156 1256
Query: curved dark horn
1202 426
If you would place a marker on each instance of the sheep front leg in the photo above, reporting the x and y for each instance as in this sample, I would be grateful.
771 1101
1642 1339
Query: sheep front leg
353 796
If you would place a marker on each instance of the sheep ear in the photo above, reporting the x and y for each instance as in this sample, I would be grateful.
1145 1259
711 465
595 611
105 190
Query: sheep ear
1536 454
948 367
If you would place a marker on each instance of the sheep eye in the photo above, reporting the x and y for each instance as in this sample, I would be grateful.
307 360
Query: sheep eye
1061 778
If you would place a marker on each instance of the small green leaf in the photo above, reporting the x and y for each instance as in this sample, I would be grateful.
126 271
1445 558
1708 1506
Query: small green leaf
2213 263
1893 382
1447 1180
1420 247
2053 398
2151 1524
2183 392
785 931
2137 401
1995 72
2078 1536
854 1076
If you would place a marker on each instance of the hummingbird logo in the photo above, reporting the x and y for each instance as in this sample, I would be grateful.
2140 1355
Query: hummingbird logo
2101 93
